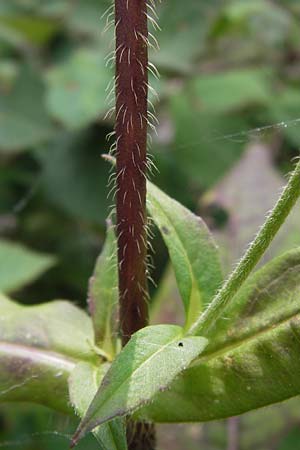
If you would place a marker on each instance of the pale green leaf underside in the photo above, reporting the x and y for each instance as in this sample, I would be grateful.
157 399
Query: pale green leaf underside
83 385
39 347
56 326
253 358
148 363
193 253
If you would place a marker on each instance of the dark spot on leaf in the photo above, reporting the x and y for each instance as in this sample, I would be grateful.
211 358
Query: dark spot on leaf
180 344
165 230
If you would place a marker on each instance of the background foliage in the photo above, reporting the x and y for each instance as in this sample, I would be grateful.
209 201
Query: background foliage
229 125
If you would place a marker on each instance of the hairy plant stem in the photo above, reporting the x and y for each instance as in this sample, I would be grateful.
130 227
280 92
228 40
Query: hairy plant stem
131 136
131 164
257 248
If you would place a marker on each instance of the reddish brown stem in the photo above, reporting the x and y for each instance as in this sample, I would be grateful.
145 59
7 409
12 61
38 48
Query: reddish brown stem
131 135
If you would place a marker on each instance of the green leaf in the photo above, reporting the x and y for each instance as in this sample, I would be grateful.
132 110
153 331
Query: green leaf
57 325
253 361
85 18
38 30
283 110
103 293
21 126
39 347
83 385
153 357
226 91
166 305
240 11
203 148
20 266
192 250
77 89
291 440
181 28
74 175
260 29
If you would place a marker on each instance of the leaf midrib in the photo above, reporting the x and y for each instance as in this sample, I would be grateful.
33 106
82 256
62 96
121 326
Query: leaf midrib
8 347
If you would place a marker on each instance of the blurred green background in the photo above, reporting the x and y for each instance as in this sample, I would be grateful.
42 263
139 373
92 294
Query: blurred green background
229 128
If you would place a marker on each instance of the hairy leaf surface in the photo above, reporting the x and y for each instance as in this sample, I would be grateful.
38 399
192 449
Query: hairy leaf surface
153 357
193 253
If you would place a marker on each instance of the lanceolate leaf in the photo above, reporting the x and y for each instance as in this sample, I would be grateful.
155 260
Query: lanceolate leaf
193 253
39 347
20 265
148 363
103 293
253 361
22 126
76 88
83 385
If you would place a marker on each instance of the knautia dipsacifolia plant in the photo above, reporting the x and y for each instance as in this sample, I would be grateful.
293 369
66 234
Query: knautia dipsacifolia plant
239 346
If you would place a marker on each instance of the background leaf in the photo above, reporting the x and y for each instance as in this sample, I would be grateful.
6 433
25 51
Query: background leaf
20 265
20 126
181 28
77 89
231 90
75 176
197 129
